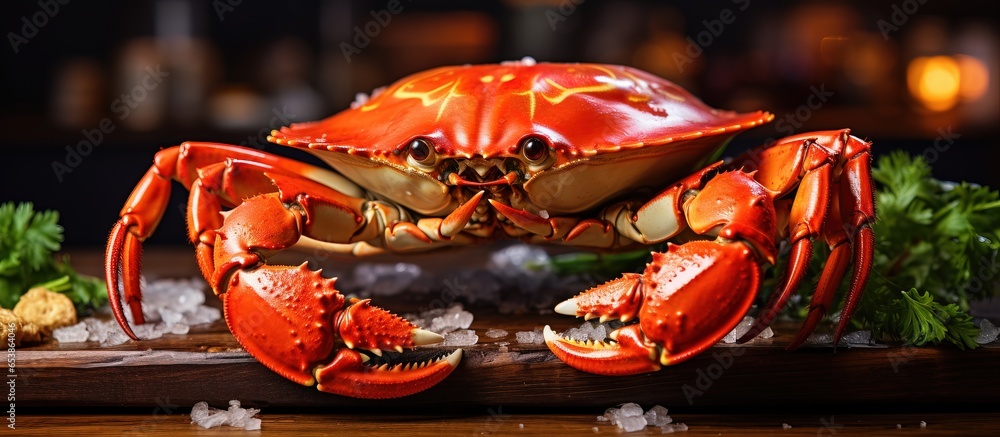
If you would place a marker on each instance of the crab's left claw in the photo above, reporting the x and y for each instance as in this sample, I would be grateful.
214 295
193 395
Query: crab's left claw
351 373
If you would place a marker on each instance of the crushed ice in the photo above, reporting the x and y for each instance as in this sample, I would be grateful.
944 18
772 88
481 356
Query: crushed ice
530 337
235 416
857 337
630 417
385 279
170 306
461 337
987 332
452 322
742 328
587 331
496 333
815 338
442 320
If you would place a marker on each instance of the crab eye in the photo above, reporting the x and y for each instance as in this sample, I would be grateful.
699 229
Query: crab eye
534 149
421 151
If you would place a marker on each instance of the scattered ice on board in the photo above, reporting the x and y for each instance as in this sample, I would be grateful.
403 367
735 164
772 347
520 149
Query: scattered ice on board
530 337
496 333
857 337
630 417
170 306
987 332
235 416
742 328
461 337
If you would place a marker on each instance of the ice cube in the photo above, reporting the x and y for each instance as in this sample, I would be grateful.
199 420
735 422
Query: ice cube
657 416
786 426
208 417
575 334
114 338
179 329
169 316
923 424
820 339
496 333
672 428
632 423
740 329
147 331
71 334
857 337
631 410
766 333
235 416
451 321
525 337
600 333
462 337
987 332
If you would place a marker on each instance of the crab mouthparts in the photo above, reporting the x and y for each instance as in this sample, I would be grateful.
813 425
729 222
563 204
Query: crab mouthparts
459 181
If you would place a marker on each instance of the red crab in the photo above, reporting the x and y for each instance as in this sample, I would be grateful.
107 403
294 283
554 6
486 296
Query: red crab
597 156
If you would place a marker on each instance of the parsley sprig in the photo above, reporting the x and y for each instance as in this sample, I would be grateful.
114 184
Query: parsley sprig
937 237
28 240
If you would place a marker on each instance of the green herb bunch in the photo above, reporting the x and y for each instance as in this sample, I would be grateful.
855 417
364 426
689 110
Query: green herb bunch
936 252
28 240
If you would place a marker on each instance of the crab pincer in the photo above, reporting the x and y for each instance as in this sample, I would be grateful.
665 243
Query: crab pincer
686 300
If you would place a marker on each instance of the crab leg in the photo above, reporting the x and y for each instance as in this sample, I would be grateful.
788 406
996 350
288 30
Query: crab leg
289 318
743 211
842 180
145 206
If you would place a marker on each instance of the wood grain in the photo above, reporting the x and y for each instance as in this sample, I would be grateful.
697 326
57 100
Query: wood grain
503 423
208 364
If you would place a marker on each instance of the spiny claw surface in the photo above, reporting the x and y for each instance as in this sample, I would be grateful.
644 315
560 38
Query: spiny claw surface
366 326
616 299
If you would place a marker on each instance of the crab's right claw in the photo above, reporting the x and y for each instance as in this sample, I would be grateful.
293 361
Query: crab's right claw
364 326
296 323
628 352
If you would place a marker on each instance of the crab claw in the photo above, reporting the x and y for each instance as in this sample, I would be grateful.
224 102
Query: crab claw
368 327
350 374
290 319
629 354
687 299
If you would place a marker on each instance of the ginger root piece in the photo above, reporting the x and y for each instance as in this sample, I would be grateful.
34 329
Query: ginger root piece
12 326
46 310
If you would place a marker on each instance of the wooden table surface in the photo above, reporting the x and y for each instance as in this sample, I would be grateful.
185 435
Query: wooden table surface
519 424
148 387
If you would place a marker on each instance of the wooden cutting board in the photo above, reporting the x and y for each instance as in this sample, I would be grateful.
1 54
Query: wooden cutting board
207 364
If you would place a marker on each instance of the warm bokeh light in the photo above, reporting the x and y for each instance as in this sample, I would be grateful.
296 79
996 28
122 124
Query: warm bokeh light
975 78
934 81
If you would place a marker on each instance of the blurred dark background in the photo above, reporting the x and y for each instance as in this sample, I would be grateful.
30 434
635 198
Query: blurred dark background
919 77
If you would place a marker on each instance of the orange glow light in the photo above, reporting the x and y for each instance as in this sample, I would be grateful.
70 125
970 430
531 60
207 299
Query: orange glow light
934 81
975 78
